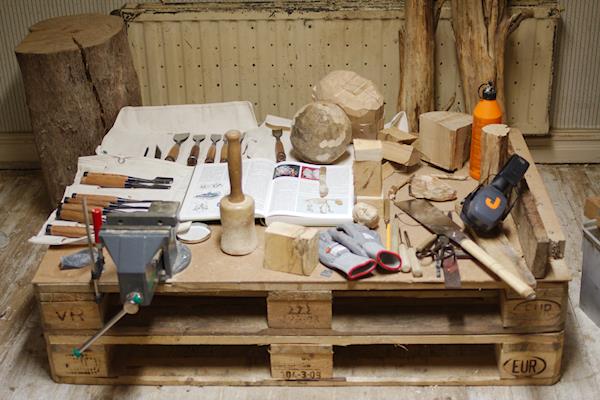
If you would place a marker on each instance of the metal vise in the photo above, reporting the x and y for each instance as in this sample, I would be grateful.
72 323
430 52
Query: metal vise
144 248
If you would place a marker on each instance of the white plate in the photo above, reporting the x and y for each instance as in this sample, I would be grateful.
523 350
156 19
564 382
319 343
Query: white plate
197 233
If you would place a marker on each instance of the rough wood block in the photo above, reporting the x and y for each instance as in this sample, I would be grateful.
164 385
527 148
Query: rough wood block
591 209
72 315
367 178
536 356
532 234
400 153
94 362
494 150
547 311
387 170
299 310
445 138
291 248
367 150
394 134
301 362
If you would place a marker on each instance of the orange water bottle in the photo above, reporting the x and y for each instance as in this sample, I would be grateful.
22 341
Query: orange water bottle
486 112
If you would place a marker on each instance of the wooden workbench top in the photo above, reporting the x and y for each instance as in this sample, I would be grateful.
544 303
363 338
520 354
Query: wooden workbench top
211 270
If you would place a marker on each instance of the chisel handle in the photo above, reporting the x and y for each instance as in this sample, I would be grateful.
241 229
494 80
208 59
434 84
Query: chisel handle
104 175
512 280
279 151
94 197
94 203
104 181
224 150
403 251
73 206
66 231
71 215
173 153
193 158
212 151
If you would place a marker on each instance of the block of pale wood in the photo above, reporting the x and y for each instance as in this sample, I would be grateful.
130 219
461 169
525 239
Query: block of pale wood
367 150
367 178
291 248
393 134
400 153
445 138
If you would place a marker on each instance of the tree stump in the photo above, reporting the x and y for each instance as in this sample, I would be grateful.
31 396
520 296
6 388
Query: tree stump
494 150
78 73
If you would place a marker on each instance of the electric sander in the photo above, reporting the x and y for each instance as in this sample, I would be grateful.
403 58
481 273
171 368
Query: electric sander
487 206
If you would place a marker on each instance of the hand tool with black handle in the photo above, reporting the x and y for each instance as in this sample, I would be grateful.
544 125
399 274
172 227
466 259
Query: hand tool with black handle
174 152
195 151
437 222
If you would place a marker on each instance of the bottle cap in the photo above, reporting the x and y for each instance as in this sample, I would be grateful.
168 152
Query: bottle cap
489 91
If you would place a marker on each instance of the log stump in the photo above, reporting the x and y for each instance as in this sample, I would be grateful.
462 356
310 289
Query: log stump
78 73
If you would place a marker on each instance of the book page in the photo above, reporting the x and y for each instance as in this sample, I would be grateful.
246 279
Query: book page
210 182
296 193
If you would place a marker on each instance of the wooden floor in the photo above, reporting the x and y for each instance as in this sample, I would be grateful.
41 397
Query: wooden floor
24 368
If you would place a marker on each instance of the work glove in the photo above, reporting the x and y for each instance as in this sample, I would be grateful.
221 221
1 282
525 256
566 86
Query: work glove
336 256
364 241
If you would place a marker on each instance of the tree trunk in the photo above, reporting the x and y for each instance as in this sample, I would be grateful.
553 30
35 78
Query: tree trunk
417 41
480 29
78 73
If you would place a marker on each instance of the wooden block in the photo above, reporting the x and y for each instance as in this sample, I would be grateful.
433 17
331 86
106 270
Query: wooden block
400 153
535 356
299 310
494 150
367 150
72 315
387 170
394 134
94 362
547 311
444 138
301 362
291 248
591 209
367 178
532 235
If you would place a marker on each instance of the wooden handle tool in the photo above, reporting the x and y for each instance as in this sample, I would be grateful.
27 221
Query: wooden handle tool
174 152
66 231
279 150
104 181
415 264
224 150
403 251
195 151
234 167
212 150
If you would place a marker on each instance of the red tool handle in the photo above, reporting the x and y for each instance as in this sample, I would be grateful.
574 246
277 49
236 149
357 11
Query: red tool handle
97 222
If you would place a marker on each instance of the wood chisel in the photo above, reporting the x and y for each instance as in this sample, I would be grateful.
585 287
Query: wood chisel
123 181
403 251
78 198
129 206
279 150
65 230
174 152
195 151
415 264
212 150
223 155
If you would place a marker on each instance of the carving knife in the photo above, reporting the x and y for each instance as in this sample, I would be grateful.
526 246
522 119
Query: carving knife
439 223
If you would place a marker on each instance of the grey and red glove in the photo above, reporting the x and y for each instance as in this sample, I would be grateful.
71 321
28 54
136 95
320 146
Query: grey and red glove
364 241
337 256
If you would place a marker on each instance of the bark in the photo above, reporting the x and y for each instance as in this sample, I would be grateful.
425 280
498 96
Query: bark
417 42
78 73
481 28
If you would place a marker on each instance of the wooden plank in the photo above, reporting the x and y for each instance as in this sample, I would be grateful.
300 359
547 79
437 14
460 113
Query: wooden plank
301 362
299 310
532 234
94 362
72 315
550 221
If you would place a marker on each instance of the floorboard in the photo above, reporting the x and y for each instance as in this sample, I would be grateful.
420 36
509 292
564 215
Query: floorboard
24 373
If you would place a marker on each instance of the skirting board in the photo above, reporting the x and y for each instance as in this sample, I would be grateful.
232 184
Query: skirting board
18 151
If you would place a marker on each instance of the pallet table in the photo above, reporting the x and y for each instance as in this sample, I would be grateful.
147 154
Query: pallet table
227 321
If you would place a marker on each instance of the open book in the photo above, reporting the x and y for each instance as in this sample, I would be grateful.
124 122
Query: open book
285 191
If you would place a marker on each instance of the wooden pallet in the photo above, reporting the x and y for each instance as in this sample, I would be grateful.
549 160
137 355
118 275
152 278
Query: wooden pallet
227 321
